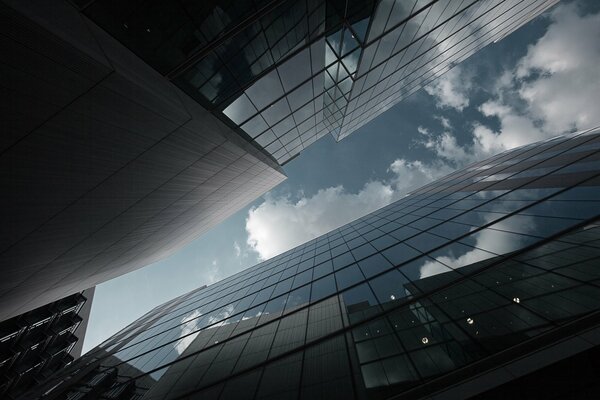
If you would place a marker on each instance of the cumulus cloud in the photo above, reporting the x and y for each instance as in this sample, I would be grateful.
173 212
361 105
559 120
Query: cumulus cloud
280 223
444 121
516 130
554 88
451 89
560 77
412 174
446 146
482 144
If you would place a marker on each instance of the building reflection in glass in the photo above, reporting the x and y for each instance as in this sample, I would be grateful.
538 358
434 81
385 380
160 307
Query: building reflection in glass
469 273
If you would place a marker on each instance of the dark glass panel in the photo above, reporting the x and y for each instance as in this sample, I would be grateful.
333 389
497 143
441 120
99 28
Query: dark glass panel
374 264
342 261
322 288
298 298
348 276
400 253
390 287
322 269
359 303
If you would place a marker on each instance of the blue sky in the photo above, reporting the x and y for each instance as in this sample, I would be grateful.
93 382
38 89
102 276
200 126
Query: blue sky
541 81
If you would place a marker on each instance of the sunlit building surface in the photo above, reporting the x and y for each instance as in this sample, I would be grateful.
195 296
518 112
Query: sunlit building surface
474 285
42 341
287 73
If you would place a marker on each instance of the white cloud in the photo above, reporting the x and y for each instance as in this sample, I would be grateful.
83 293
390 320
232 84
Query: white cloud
444 121
530 104
212 274
423 131
222 316
413 174
515 129
497 242
554 88
189 324
431 268
237 249
281 223
451 89
566 63
446 147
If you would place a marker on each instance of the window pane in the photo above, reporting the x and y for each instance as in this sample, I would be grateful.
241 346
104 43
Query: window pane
390 287
322 288
348 276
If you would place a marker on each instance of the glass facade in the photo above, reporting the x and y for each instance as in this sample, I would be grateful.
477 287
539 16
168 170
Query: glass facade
286 73
42 341
472 271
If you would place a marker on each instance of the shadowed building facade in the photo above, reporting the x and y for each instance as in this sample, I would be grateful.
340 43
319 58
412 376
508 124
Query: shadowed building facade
132 127
40 342
287 72
481 283
106 166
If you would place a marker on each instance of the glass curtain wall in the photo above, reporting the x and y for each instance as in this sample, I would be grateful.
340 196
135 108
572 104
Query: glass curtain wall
286 73
501 255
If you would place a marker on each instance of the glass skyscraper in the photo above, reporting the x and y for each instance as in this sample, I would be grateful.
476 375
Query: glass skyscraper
135 126
473 283
285 73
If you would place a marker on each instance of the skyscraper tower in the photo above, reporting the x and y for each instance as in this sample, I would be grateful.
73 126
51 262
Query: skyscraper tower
132 127
477 284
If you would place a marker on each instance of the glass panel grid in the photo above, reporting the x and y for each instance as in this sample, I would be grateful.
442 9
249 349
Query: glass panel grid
438 280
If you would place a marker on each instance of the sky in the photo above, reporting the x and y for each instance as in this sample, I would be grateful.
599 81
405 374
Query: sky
541 81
